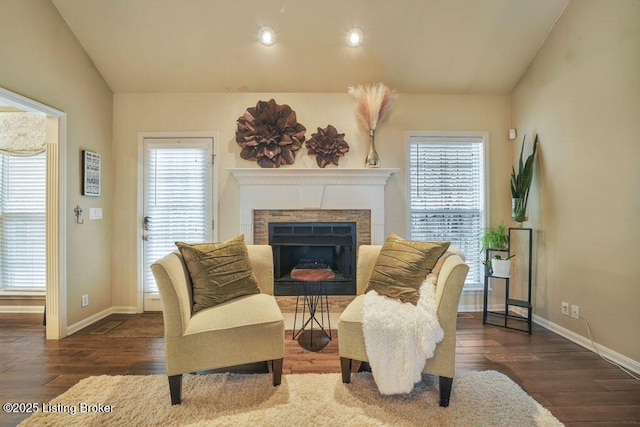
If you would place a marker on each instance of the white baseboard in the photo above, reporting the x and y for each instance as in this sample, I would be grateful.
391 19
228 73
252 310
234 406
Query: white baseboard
31 309
620 359
125 309
72 329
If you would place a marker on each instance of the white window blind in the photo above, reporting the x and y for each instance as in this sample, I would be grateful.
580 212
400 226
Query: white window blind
178 193
23 223
447 194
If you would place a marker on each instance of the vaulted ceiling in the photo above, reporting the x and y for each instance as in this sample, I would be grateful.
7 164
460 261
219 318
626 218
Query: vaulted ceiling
414 46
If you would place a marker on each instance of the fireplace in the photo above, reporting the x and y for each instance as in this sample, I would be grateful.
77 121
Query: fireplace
314 245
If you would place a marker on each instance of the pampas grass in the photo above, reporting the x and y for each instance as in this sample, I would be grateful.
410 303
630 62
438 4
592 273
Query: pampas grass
373 103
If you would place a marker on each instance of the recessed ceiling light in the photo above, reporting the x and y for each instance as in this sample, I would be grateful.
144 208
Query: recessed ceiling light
354 37
266 35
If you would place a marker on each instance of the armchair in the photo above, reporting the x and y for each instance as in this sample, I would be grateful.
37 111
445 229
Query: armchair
243 330
449 287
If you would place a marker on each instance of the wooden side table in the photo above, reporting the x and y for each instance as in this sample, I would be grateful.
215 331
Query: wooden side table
314 295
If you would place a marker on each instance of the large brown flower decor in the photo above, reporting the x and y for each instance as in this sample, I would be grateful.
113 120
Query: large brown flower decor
270 134
327 145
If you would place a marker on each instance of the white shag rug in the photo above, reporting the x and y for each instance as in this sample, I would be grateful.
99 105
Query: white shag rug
485 398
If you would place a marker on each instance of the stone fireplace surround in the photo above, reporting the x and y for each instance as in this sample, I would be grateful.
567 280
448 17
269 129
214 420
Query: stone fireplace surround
331 193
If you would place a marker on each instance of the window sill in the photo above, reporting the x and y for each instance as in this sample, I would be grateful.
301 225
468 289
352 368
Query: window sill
23 295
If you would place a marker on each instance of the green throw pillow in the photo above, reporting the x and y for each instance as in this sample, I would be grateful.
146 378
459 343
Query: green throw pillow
219 271
402 266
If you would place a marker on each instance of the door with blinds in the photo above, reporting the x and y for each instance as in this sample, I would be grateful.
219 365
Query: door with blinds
178 201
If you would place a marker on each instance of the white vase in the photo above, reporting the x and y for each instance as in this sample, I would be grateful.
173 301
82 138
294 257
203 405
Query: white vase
501 267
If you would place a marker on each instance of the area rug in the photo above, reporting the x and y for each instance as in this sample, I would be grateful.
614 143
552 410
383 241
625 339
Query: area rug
486 398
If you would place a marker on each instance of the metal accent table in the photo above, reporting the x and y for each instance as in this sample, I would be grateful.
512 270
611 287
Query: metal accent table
314 295
504 316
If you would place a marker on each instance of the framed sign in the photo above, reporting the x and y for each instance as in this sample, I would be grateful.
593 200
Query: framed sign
90 173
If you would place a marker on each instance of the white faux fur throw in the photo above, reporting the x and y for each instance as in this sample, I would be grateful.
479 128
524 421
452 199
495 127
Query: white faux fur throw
400 337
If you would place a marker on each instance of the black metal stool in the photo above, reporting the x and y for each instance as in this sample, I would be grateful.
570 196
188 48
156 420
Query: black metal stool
315 295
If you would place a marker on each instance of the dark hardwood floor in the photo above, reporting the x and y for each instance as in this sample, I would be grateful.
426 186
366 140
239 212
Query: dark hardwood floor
576 385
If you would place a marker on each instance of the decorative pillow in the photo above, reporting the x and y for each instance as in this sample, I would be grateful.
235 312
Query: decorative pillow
451 251
219 271
402 265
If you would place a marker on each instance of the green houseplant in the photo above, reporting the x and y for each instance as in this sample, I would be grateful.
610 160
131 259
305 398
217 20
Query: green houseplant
495 238
521 182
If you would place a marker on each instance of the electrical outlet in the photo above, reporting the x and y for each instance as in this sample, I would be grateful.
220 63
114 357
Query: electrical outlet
565 308
85 300
575 311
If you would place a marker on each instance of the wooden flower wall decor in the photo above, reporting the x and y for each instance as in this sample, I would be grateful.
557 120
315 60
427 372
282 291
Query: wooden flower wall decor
327 145
270 134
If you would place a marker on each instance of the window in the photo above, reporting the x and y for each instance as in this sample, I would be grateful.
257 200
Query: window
447 193
22 223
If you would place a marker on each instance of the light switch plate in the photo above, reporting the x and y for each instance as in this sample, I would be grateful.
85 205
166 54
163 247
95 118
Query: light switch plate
95 213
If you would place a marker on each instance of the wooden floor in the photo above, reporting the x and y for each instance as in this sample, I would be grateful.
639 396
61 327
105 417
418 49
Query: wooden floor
576 385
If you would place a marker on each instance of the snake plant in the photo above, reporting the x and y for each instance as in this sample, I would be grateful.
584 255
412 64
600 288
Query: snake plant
521 183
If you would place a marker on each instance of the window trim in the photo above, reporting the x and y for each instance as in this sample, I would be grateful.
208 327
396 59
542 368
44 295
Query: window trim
431 134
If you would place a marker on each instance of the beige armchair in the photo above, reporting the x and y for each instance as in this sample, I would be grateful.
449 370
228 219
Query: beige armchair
244 330
449 286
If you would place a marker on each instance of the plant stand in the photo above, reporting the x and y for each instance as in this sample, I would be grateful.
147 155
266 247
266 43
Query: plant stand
506 318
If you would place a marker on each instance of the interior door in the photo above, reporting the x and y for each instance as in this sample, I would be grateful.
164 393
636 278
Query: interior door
178 201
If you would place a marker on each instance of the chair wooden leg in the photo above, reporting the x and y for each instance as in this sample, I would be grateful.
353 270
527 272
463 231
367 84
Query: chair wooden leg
445 390
175 388
276 367
345 366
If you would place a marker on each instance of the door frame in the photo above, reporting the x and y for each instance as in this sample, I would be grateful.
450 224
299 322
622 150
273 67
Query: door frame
140 208
56 213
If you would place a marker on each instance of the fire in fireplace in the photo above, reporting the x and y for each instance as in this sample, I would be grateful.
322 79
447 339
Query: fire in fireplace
314 245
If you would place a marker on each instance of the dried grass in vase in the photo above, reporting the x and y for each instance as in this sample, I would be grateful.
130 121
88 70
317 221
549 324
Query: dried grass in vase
373 104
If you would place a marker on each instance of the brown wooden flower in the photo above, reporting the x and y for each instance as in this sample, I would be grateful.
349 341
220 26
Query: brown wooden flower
327 145
270 134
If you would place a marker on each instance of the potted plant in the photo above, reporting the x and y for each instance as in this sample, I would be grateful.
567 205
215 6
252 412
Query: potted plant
520 184
501 266
495 238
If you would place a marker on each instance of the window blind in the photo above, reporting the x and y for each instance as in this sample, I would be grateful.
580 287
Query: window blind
178 200
447 195
23 223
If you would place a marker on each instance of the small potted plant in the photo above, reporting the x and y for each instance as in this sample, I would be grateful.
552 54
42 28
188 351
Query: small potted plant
501 266
521 183
495 238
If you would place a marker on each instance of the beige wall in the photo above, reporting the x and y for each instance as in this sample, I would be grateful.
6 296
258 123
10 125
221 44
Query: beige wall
581 95
134 113
42 60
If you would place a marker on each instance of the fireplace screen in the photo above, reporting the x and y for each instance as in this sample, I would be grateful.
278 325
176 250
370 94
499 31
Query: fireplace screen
314 245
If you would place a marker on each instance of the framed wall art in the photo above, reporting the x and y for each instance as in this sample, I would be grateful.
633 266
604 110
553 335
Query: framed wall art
90 173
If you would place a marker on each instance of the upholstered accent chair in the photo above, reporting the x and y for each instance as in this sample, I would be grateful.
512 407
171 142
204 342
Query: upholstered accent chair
448 289
243 330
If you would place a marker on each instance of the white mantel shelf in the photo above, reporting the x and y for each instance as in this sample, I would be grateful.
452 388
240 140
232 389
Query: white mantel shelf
298 176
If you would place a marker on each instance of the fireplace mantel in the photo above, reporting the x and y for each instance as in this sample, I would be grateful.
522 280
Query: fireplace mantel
294 189
336 176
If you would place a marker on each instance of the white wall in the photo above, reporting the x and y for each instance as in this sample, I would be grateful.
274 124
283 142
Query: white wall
134 113
42 60
581 95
